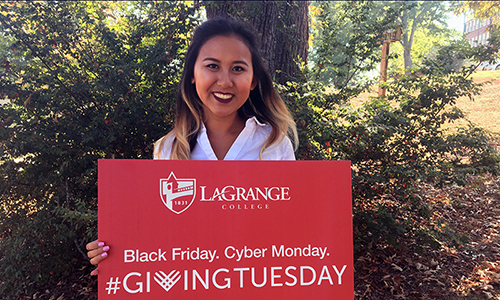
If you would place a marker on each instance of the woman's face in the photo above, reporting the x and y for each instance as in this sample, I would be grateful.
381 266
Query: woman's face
223 76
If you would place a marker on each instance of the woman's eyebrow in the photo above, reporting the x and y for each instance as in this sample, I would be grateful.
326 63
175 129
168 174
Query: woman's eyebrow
218 61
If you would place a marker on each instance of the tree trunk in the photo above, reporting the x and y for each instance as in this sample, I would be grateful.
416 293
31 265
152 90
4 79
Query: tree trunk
282 27
406 41
408 62
416 15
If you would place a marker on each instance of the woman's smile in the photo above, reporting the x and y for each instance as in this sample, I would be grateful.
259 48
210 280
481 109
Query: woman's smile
223 97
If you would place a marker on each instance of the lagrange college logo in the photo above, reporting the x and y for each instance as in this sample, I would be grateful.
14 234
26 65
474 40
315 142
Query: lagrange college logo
178 194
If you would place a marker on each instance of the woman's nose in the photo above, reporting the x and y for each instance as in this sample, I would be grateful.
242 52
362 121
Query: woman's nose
224 79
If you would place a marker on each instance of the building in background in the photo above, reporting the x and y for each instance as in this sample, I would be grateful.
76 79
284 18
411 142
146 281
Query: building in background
477 31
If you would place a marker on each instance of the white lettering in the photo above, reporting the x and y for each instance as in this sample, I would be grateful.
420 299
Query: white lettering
251 194
302 277
175 252
230 256
259 191
217 194
339 274
161 255
197 275
129 256
148 282
224 193
232 193
264 280
139 284
322 275
284 192
203 194
274 276
277 195
230 252
197 254
294 282
240 194
241 274
151 256
222 278
227 280
281 251
323 252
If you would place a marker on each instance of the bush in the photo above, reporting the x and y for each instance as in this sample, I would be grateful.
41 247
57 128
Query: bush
394 143
86 80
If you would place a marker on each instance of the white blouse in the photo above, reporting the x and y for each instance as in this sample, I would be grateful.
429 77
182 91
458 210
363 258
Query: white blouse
246 146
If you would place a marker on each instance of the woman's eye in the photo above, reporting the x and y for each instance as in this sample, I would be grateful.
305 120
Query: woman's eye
212 66
238 69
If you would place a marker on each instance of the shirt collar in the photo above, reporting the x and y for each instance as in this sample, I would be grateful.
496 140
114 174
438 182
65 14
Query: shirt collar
236 147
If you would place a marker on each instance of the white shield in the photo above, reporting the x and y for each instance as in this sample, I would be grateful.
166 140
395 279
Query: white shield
177 194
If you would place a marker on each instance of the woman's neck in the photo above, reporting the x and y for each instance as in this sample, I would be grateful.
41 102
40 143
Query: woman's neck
222 132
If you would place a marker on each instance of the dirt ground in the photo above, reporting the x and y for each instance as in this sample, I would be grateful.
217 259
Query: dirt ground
469 271
484 110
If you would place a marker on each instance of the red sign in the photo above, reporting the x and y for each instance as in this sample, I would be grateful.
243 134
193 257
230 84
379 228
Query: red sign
226 229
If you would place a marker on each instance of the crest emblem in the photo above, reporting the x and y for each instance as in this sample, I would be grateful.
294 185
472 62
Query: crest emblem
177 194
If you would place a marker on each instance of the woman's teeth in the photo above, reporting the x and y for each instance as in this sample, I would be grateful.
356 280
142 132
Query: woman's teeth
223 96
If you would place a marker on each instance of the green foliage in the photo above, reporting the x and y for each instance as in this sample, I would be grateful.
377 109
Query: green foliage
397 141
346 42
427 41
87 80
481 10
453 56
415 15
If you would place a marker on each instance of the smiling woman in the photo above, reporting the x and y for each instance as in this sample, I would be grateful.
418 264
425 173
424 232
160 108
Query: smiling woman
223 75
227 107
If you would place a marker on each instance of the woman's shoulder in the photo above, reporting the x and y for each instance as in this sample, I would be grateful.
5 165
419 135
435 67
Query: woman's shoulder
163 147
258 127
281 149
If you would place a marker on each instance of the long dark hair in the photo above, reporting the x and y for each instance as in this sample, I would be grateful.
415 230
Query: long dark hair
263 103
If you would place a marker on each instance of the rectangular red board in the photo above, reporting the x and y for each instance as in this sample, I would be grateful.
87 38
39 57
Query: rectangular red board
226 229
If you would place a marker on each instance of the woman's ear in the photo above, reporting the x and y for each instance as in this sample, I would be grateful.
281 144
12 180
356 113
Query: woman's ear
192 80
254 83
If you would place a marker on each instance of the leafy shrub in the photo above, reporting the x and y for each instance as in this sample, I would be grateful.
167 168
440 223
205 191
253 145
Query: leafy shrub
394 143
86 80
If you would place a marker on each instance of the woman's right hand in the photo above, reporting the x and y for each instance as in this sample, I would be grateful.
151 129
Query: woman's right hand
97 251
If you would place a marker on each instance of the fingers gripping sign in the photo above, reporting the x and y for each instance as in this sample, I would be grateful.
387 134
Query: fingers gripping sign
97 251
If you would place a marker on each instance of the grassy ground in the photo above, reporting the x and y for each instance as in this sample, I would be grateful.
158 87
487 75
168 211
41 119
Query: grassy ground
483 111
